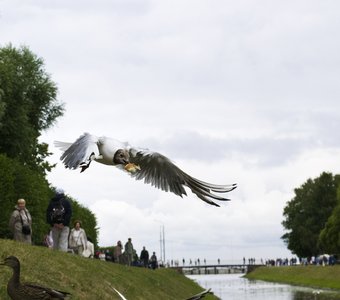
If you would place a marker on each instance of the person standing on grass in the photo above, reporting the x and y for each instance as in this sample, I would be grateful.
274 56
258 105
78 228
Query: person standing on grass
144 256
58 215
77 240
153 261
129 251
117 252
20 223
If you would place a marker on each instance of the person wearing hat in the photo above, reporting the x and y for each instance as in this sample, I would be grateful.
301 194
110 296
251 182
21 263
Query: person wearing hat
20 223
58 215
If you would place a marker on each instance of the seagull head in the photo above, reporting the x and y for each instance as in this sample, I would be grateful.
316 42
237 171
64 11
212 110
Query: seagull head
121 157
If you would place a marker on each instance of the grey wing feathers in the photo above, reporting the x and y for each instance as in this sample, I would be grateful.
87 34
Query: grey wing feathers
160 172
80 151
62 145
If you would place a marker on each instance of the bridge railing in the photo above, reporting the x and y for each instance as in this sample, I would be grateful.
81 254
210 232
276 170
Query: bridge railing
214 269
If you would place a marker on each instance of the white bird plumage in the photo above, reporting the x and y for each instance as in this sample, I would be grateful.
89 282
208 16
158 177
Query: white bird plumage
153 167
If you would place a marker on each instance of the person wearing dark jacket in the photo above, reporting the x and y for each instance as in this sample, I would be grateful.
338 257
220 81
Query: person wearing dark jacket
58 215
144 257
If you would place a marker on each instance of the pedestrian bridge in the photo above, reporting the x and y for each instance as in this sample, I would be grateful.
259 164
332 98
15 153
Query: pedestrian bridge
215 269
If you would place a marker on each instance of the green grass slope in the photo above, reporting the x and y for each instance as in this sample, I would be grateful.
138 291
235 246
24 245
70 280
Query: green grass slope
311 276
90 278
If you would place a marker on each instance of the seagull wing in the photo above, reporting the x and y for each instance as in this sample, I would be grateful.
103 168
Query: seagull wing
79 153
159 171
120 294
62 145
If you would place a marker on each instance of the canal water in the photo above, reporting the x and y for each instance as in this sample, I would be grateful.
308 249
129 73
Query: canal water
235 287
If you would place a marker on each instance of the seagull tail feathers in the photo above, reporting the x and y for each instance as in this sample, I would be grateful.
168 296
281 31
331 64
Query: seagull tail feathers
203 190
62 145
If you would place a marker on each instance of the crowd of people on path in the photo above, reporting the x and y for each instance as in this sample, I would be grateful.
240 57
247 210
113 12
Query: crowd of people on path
323 259
127 255
59 236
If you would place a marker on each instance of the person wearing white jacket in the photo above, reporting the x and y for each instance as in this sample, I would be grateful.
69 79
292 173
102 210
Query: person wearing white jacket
77 240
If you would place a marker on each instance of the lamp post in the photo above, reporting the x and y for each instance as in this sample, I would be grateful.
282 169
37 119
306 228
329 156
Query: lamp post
161 241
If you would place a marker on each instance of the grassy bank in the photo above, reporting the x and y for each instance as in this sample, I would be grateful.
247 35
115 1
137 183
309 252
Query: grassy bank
312 276
90 278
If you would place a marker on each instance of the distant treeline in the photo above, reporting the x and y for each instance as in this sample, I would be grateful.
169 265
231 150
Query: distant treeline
312 217
28 106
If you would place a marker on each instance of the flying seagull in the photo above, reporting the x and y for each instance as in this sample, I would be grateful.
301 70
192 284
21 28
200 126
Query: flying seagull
153 167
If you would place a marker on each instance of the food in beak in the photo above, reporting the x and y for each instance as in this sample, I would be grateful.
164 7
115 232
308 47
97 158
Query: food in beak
131 167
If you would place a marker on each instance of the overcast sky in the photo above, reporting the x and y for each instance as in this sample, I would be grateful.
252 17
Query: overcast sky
231 91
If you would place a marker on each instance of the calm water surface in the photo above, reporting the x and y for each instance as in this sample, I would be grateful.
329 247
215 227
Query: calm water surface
234 287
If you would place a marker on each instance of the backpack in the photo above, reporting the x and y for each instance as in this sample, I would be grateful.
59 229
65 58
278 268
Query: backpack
57 214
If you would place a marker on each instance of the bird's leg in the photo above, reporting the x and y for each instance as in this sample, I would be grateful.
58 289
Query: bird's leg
84 165
93 156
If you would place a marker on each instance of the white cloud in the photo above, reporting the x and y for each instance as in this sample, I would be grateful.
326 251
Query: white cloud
232 92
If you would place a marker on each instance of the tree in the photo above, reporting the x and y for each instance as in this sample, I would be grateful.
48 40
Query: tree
306 214
19 181
28 105
2 105
329 239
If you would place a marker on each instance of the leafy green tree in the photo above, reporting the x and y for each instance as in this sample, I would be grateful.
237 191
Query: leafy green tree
28 105
307 213
19 181
329 239
2 105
